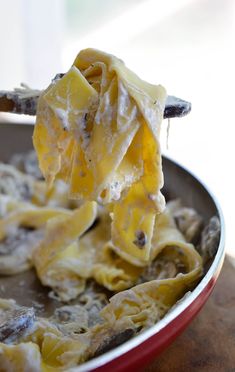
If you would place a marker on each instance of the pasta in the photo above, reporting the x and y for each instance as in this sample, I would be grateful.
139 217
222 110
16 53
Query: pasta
58 259
97 141
98 130
20 231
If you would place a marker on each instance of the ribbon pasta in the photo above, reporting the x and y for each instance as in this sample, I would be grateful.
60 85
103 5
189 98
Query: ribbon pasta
97 129
21 230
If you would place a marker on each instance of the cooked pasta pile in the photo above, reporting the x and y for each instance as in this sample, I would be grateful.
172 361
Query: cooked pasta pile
99 217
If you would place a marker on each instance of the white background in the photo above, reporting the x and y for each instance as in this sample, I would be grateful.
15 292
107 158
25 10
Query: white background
186 45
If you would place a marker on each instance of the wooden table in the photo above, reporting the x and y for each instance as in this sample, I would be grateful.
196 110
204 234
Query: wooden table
208 344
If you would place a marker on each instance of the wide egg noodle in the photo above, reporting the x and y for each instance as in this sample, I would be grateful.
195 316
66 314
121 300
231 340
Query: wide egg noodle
22 357
98 129
117 274
62 105
146 303
65 262
136 211
9 204
58 258
105 266
29 217
32 219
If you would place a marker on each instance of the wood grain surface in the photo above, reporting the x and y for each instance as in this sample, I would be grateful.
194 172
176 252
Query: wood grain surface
208 344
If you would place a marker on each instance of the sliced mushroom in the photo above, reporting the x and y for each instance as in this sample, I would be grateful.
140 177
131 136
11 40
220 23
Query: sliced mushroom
14 322
113 341
189 222
210 239
71 319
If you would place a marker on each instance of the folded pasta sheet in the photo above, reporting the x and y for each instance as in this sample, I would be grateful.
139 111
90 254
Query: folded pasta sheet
65 258
144 304
58 259
97 129
21 230
22 357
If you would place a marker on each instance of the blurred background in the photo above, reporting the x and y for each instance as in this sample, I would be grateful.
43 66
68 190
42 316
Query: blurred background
186 45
